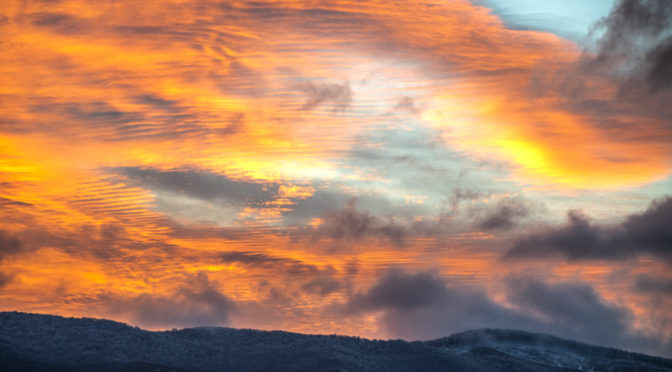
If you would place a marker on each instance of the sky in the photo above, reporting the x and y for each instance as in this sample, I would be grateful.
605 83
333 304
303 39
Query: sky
383 169
570 19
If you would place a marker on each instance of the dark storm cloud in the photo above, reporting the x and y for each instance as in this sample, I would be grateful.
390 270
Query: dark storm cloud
197 303
659 75
624 73
648 233
200 185
654 285
318 94
637 39
424 305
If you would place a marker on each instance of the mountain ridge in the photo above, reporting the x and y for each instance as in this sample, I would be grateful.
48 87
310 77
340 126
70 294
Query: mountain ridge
40 342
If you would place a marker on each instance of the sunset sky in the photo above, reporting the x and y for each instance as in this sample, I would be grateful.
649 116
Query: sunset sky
384 169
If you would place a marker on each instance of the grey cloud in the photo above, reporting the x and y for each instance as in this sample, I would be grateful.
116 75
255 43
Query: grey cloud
97 114
234 124
329 199
654 285
198 303
350 224
316 20
317 94
104 120
572 309
629 53
316 280
461 194
398 290
156 101
322 286
251 258
205 231
201 185
130 30
176 109
506 214
30 240
648 233
60 23
4 202
108 241
4 279
9 245
637 39
353 223
407 104
660 60
424 305
260 260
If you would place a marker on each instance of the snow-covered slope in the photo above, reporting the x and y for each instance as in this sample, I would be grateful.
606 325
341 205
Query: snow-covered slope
31 342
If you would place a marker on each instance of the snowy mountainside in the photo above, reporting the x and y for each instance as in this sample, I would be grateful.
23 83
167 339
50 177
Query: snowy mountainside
33 342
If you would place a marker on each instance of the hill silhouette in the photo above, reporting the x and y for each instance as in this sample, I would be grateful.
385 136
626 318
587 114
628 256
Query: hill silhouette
34 342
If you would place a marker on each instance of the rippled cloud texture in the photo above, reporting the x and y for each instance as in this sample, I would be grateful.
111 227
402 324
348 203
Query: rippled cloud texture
405 169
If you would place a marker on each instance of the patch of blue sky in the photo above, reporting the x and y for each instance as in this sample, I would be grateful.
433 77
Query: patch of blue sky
570 19
405 170
601 205
410 166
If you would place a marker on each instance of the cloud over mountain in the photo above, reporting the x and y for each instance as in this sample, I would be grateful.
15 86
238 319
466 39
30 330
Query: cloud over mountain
648 233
